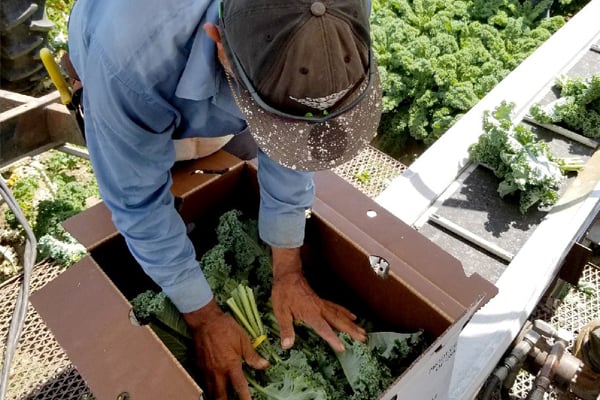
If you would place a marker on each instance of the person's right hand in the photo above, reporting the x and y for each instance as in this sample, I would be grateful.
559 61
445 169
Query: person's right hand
294 300
221 346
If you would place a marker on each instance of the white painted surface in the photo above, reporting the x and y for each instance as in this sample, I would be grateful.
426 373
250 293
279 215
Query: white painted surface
429 377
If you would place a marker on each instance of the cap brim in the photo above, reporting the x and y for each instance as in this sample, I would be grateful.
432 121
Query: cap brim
308 146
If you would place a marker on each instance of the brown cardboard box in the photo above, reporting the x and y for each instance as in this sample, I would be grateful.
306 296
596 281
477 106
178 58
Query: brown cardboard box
87 307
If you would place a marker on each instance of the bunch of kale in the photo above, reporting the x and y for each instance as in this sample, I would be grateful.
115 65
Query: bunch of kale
578 107
525 164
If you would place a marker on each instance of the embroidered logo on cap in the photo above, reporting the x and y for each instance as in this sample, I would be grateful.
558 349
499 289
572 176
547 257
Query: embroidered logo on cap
322 103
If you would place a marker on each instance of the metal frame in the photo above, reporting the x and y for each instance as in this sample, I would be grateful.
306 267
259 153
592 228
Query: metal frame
32 125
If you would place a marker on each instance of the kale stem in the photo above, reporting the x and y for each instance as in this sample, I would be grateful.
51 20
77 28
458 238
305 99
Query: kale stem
254 308
240 316
250 315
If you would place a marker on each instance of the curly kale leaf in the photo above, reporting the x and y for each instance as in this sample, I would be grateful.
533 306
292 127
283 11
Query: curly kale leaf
49 216
578 107
218 273
165 320
394 345
437 54
524 164
322 358
365 374
240 236
239 246
66 251
292 378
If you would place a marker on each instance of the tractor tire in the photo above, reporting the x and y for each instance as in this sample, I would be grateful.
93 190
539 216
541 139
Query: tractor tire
24 29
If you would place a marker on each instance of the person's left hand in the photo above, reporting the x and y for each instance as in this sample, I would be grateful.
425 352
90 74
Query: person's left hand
294 300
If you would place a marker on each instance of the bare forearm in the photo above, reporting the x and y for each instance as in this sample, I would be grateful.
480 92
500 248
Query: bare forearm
286 262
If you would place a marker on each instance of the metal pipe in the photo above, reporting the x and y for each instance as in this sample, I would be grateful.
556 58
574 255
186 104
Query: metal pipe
515 361
504 374
567 370
542 382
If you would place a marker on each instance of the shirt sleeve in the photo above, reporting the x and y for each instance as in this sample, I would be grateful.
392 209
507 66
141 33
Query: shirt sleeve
285 195
129 138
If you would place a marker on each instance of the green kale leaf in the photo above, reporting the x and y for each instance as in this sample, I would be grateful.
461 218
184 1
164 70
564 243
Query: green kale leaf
578 107
524 164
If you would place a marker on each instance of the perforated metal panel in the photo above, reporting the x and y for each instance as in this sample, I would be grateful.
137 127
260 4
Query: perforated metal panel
371 171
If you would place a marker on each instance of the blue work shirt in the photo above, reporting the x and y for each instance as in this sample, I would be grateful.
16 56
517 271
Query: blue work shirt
150 75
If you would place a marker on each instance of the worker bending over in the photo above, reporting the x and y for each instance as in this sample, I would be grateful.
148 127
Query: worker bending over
291 82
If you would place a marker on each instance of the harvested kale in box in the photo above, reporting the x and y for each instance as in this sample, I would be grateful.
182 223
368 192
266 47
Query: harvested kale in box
238 268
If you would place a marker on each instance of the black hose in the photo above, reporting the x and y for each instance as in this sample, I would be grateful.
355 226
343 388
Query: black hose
542 382
22 301
491 386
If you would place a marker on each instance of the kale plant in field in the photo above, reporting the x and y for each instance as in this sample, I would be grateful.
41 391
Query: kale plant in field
578 107
11 245
50 189
438 58
568 8
238 269
524 164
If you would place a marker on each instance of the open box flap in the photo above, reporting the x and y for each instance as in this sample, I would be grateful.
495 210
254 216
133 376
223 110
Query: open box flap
90 317
92 227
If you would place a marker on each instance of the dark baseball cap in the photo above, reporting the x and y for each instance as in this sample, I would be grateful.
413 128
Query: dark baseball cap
306 79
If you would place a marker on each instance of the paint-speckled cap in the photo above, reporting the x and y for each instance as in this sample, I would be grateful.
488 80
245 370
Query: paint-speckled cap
307 82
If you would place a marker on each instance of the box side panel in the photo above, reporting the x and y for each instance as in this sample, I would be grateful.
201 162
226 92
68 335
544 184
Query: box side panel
415 250
430 375
339 269
122 269
89 317
92 227
189 176
213 197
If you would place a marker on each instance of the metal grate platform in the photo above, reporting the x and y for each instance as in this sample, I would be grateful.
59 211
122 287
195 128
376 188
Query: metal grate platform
371 171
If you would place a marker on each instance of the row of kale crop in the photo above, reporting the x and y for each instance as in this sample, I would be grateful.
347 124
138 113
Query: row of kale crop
438 58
